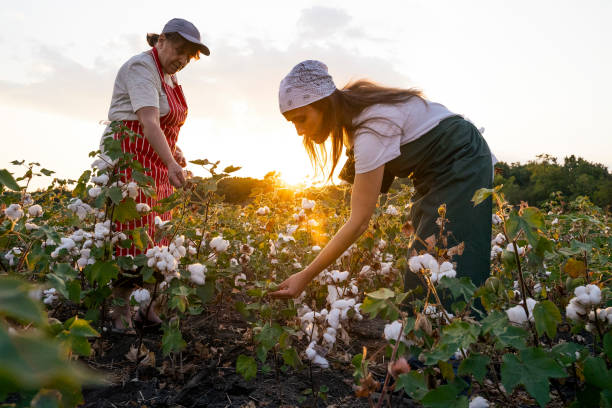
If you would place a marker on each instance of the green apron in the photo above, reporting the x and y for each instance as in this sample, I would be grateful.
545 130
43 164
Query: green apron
448 164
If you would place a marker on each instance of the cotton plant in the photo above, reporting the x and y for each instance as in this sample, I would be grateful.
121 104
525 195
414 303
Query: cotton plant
197 273
79 208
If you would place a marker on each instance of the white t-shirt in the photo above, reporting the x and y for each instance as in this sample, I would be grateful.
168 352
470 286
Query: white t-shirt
414 117
138 85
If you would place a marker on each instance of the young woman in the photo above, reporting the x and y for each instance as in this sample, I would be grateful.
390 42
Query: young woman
148 100
388 133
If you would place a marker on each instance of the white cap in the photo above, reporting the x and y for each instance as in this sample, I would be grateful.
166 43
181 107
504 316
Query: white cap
307 82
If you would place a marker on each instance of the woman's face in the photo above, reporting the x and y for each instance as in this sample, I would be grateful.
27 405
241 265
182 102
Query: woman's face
308 122
172 55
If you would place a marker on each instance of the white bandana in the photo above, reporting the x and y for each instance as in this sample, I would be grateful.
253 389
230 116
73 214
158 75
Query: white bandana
307 82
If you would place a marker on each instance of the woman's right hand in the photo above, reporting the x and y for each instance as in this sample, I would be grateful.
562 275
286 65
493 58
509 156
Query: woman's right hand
175 174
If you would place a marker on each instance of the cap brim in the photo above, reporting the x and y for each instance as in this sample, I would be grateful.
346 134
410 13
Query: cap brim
204 49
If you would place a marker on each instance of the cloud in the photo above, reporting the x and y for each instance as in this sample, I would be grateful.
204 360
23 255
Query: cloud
214 85
321 22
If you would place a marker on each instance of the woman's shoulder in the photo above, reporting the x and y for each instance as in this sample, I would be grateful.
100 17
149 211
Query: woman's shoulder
144 59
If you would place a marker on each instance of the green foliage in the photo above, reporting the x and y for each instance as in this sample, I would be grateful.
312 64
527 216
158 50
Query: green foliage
246 367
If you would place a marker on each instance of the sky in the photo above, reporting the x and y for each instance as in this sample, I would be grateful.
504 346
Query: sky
534 74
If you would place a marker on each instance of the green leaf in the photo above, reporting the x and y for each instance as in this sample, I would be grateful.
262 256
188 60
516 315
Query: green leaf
81 188
291 357
172 340
460 334
269 335
566 352
596 373
140 238
115 194
533 369
476 365
459 287
126 211
246 367
46 172
482 194
381 294
82 328
531 220
16 303
7 180
231 169
200 162
445 396
547 317
607 341
413 384
101 272
47 399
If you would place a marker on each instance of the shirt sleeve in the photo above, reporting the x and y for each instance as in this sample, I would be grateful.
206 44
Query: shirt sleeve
142 85
377 140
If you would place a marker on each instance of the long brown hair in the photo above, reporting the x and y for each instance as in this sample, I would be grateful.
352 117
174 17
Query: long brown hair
342 107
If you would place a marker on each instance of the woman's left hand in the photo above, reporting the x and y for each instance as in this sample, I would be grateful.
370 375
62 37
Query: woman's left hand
292 287
178 156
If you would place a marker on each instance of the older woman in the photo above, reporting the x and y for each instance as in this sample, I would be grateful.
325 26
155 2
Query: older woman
148 100
391 132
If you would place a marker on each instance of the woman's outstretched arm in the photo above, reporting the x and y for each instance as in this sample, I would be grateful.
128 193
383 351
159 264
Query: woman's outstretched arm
363 201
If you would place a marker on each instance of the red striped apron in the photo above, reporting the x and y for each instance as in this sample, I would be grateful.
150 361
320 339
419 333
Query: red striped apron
170 124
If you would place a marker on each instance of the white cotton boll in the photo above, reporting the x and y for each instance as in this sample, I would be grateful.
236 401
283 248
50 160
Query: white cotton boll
555 221
82 262
30 226
516 314
13 212
320 361
316 248
141 296
479 402
365 270
161 265
385 267
94 192
391 210
240 280
68 243
343 304
233 262
291 229
132 189
338 276
328 338
332 294
393 330
285 238
414 263
100 180
510 248
197 268
263 210
308 317
297 265
142 207
496 219
307 204
219 244
588 295
446 267
313 223
192 250
310 353
35 211
333 318
198 278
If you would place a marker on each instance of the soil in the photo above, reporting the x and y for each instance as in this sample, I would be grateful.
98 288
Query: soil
204 374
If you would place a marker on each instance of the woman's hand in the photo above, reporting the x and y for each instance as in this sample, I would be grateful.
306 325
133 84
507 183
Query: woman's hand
175 175
292 287
178 156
